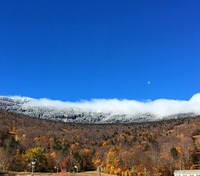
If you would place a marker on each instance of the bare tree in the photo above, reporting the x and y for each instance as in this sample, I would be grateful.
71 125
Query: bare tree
3 159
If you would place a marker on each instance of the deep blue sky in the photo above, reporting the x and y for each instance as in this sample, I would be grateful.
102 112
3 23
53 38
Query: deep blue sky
83 49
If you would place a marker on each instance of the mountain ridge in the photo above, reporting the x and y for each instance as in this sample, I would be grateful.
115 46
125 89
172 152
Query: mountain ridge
75 114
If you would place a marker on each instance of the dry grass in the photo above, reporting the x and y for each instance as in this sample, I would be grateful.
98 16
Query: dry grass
90 173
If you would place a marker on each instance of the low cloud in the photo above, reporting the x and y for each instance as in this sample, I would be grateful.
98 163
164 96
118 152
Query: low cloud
159 107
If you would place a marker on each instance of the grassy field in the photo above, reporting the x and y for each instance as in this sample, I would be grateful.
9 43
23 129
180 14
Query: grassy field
90 173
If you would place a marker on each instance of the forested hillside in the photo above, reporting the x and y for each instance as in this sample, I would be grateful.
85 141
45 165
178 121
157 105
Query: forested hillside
156 148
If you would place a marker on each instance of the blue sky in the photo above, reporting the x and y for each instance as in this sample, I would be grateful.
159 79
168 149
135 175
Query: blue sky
75 50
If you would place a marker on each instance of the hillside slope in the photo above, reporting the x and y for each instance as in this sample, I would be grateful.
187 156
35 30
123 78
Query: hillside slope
151 147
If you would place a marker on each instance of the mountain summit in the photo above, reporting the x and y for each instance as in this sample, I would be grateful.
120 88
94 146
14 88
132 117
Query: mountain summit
101 110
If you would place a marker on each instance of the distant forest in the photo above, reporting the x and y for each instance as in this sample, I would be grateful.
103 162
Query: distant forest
150 149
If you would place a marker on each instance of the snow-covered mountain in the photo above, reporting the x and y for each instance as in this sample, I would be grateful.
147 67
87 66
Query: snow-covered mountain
101 111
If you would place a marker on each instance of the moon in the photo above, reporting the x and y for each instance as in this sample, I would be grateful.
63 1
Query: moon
149 82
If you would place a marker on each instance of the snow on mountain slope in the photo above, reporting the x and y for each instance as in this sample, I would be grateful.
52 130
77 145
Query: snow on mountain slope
101 110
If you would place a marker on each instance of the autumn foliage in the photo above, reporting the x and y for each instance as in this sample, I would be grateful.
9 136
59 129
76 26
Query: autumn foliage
153 148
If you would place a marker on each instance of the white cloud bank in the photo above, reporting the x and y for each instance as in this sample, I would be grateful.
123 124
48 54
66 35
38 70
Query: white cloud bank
159 107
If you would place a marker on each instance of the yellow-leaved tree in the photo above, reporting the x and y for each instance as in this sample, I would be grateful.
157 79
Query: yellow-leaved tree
36 154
